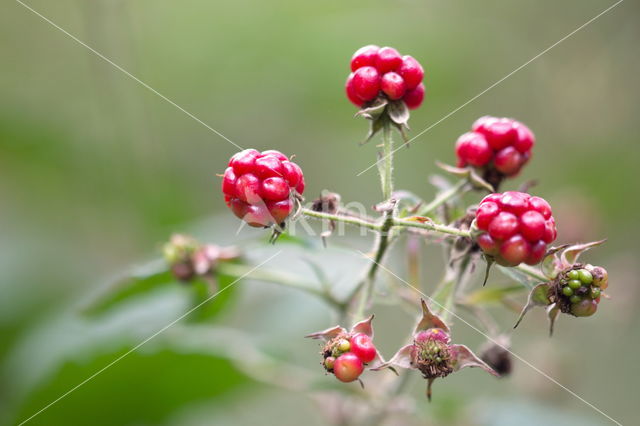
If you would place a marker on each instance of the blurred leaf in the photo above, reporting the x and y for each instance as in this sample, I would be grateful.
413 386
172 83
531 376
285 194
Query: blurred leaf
145 279
203 292
490 294
156 276
142 388
519 277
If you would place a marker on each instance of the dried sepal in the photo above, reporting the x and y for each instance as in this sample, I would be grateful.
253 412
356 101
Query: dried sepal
328 334
398 112
463 357
401 359
364 327
539 296
571 254
552 313
430 320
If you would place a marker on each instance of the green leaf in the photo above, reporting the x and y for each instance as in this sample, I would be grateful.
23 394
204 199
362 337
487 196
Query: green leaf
487 295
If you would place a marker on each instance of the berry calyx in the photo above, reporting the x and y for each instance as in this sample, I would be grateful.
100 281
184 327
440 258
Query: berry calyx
383 72
506 148
259 187
362 346
514 230
348 367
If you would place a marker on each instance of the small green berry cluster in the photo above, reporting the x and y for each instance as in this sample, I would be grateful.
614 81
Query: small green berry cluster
580 289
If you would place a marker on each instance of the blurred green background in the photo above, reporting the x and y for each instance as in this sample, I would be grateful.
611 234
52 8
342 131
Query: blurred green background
96 172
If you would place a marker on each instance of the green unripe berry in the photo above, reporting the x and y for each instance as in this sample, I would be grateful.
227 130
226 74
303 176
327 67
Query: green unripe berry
595 292
344 345
573 275
575 284
575 299
567 291
585 276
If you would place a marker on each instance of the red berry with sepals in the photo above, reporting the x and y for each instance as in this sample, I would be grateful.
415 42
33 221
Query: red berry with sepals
259 187
515 227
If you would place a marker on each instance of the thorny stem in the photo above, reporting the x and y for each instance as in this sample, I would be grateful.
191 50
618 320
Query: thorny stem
382 242
350 220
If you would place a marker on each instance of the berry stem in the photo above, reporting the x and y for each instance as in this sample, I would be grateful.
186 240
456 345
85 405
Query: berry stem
351 220
386 168
431 226
382 242
458 189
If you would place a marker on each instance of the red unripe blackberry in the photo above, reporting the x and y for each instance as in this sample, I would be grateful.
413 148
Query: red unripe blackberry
388 60
393 85
383 72
348 367
351 92
365 56
510 144
413 98
516 229
366 83
473 148
362 346
411 71
258 187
